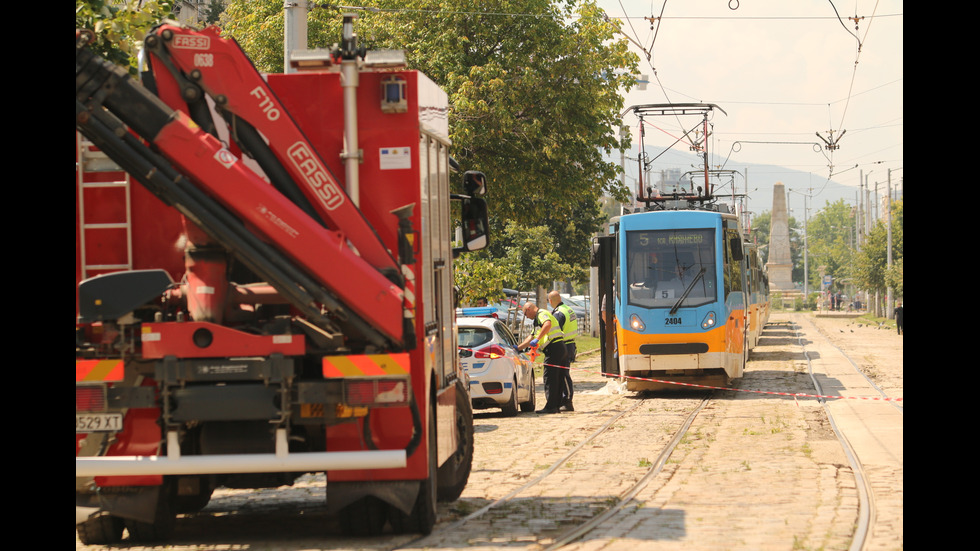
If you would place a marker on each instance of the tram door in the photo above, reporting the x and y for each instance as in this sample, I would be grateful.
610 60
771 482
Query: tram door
604 258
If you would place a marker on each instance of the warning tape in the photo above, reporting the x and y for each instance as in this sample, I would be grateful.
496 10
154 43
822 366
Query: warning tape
491 355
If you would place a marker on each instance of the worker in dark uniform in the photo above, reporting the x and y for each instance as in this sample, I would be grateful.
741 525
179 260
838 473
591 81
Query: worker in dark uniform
548 337
900 317
569 327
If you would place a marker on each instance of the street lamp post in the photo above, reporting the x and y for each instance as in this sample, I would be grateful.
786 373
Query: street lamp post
888 206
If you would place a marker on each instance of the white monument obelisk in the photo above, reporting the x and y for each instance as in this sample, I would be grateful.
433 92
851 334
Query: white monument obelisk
780 264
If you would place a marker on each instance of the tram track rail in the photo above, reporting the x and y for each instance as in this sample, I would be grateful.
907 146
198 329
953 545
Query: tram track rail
857 368
866 497
623 500
629 496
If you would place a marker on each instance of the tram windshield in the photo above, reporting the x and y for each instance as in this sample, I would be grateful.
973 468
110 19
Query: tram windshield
664 266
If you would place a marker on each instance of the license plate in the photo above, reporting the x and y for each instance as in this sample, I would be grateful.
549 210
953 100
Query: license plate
98 422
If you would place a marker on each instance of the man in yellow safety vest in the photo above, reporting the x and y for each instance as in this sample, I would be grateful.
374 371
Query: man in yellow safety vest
569 327
548 336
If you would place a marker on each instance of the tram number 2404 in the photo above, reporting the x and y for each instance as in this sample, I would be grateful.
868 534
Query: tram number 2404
673 321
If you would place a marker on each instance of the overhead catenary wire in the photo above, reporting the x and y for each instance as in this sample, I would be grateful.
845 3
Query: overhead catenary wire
633 34
657 22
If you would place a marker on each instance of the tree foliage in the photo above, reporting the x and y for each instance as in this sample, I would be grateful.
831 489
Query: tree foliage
478 276
871 267
118 28
534 93
214 11
531 257
525 259
830 244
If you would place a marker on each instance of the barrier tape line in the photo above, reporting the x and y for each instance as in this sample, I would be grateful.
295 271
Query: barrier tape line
491 356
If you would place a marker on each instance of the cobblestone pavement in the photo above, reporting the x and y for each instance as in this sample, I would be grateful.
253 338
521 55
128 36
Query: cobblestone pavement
756 471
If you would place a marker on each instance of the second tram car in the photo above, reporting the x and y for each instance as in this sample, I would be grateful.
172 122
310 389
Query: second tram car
757 282
676 285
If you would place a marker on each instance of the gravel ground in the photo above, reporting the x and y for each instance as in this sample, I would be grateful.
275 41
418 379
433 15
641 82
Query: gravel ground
756 471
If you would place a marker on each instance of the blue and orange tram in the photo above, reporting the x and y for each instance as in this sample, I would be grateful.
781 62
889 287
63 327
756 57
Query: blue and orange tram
675 290
757 288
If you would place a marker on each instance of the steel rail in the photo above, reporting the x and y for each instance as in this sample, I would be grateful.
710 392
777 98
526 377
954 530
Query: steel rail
589 525
866 501
857 368
628 496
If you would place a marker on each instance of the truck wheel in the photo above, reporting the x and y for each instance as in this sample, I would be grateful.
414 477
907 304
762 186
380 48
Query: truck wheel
423 515
193 503
456 471
365 517
101 529
163 524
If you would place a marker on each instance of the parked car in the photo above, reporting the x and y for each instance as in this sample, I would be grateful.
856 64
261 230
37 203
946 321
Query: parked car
500 376
580 309
509 310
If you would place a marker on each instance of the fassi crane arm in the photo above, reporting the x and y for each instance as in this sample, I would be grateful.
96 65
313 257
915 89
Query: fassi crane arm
189 64
365 300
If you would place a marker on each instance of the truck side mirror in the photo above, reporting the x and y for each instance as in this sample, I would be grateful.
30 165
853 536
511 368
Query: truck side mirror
475 183
476 226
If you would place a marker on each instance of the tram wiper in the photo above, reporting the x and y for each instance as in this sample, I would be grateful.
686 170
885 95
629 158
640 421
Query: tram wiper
687 291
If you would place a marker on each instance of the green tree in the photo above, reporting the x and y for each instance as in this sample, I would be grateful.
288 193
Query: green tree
533 85
118 28
830 244
872 271
522 258
895 277
214 11
531 259
479 276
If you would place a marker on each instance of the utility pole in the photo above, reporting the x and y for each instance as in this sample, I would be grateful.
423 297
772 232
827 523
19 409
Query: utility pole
622 160
295 31
890 300
859 219
806 253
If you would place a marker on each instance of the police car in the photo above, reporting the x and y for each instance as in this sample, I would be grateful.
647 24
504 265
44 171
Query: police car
499 375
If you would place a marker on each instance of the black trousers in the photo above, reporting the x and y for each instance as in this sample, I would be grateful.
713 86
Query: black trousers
568 391
555 364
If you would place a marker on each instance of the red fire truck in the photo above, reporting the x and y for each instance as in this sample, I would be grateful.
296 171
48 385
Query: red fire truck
264 285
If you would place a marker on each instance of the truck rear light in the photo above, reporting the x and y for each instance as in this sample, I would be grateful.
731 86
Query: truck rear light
492 352
376 392
90 397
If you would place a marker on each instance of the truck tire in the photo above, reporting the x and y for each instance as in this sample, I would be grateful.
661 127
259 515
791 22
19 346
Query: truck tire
454 474
423 515
163 524
365 517
186 504
101 529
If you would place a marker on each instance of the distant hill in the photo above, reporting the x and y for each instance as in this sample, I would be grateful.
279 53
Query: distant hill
760 180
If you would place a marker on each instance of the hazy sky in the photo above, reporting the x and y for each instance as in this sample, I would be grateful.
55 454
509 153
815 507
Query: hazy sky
783 70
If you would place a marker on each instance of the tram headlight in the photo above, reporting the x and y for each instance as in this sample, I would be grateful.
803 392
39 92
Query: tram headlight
709 321
636 324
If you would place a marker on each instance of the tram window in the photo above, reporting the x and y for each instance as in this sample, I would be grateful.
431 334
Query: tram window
733 264
663 264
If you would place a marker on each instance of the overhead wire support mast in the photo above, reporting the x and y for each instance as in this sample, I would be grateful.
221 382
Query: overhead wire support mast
675 109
